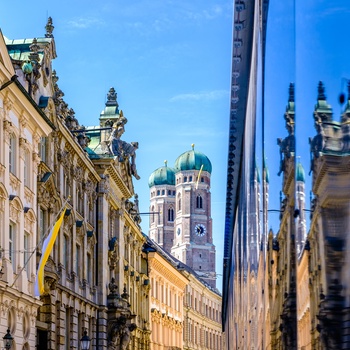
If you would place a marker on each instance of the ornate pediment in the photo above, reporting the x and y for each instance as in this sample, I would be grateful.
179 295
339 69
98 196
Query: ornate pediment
47 193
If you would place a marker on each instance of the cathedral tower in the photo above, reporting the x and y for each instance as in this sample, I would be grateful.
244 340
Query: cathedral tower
182 223
162 206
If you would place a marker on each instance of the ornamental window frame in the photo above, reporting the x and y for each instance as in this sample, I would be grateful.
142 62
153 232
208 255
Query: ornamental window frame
12 153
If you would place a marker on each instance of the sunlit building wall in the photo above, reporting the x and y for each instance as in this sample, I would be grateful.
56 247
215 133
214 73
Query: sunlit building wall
22 125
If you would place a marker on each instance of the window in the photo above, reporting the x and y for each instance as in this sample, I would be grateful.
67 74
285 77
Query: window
185 179
190 180
66 252
68 329
42 149
179 202
199 202
77 261
27 253
66 186
12 245
12 154
88 268
26 170
171 214
80 200
163 192
42 224
169 193
158 193
202 179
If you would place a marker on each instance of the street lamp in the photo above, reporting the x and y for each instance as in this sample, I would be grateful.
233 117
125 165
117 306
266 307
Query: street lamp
85 342
8 340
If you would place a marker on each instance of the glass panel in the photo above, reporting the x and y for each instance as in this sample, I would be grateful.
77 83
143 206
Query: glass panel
259 302
323 173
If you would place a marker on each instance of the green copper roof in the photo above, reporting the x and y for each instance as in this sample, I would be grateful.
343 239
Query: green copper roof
266 170
322 106
291 104
192 160
300 173
111 111
162 176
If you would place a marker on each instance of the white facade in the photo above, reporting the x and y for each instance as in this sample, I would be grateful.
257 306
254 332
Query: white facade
22 125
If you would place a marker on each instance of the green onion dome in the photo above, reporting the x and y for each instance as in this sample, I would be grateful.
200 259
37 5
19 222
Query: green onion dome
192 160
300 174
162 176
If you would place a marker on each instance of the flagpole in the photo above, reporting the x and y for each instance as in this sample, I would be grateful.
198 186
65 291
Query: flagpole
40 242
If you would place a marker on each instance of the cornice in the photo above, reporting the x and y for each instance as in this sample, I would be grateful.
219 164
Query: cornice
73 146
171 274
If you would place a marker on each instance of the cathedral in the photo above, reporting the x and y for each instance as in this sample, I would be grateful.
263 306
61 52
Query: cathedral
180 206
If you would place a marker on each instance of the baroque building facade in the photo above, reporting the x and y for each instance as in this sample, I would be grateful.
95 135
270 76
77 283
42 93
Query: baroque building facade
22 125
46 165
167 293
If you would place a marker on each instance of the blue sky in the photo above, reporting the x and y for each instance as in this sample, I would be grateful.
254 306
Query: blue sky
169 62
319 53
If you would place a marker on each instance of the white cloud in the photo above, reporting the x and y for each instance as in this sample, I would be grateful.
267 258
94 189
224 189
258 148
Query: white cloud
84 22
197 96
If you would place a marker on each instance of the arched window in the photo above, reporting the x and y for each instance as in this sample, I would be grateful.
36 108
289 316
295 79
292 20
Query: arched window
185 179
171 214
199 202
179 202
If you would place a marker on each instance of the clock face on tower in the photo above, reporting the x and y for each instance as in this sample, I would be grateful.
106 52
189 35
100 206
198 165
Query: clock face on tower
200 230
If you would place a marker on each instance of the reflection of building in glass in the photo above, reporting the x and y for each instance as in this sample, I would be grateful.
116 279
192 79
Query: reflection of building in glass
328 239
298 297
244 266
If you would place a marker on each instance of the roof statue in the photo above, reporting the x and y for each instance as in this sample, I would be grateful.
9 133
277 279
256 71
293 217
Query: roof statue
321 92
291 93
49 28
112 98
122 150
287 145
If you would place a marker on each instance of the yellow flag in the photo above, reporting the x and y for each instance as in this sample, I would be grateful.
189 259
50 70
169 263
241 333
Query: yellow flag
46 251
199 176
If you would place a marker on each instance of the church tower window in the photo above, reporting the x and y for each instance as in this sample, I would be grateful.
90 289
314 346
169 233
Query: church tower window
199 202
171 214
